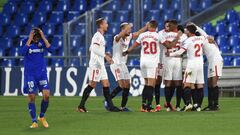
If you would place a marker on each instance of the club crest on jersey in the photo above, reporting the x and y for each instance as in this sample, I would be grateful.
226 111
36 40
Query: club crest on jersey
39 44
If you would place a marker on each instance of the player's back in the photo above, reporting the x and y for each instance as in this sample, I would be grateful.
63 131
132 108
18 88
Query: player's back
150 50
212 52
193 46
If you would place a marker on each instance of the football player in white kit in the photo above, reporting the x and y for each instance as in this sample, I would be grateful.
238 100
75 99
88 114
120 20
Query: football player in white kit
97 70
119 69
160 68
194 74
150 51
172 64
215 65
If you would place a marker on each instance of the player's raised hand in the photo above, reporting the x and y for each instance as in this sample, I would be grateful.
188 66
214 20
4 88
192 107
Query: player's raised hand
31 35
41 33
210 39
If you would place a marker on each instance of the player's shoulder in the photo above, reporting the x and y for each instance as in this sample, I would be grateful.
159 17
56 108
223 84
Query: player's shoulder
98 36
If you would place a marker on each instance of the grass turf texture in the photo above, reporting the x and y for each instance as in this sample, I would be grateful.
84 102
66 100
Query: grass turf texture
63 120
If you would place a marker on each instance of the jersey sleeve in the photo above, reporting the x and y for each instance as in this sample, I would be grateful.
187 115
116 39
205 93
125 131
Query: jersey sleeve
185 45
162 38
202 32
139 39
96 46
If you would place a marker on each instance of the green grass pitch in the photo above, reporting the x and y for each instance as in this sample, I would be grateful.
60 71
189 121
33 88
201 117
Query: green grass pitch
63 120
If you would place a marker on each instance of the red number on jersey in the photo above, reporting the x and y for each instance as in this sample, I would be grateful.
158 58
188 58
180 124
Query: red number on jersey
150 48
198 49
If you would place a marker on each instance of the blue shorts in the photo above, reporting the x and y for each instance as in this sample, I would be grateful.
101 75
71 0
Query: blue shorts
34 81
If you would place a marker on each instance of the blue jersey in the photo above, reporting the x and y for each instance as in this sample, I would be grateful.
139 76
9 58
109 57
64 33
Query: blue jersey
34 57
35 72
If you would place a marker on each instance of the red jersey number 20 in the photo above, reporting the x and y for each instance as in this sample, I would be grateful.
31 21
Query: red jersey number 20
150 48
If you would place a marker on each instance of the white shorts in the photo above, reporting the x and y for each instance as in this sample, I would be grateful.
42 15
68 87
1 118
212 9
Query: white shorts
194 74
160 70
97 73
184 64
120 72
149 71
173 69
215 68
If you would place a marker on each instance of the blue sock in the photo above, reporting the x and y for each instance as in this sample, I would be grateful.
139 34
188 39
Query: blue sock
44 106
32 111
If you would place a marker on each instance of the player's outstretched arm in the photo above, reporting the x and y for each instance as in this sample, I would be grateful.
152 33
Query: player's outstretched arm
143 29
169 44
177 53
135 45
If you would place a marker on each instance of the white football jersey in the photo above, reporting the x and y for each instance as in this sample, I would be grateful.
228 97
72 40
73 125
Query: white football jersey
150 48
97 49
169 37
212 52
194 47
120 47
163 49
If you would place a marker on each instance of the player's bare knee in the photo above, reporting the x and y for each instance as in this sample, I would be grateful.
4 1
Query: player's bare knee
31 98
92 84
105 83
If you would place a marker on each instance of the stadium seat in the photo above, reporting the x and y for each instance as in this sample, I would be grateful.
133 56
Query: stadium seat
221 28
57 62
194 5
80 5
222 40
206 4
59 29
234 40
78 29
178 16
236 49
228 60
109 39
48 29
233 28
121 16
208 28
45 7
56 17
175 4
114 28
5 19
27 7
12 31
1 30
75 42
236 61
108 15
72 15
39 18
231 16
8 62
10 8
153 15
114 5
96 3
147 5
15 51
63 5
225 49
57 42
21 19
75 62
126 5
168 14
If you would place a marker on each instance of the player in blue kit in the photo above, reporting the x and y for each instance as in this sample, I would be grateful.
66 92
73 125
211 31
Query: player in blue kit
35 74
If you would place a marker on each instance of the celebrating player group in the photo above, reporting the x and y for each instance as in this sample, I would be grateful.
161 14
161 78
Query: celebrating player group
173 56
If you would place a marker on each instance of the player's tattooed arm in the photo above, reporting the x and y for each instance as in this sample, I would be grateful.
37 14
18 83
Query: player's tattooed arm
123 32
44 39
143 29
30 38
177 53
169 44
135 45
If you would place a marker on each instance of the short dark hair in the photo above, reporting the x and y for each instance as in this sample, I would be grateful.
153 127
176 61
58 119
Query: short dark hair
153 24
192 29
99 21
167 21
174 22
